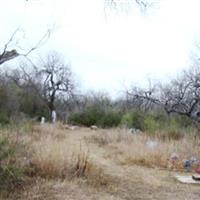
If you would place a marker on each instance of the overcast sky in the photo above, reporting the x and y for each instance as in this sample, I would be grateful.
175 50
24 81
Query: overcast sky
109 50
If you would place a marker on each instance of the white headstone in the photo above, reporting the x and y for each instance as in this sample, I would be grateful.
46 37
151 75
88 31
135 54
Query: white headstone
53 116
42 120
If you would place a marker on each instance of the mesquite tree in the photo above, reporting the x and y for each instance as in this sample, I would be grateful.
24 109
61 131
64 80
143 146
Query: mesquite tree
51 79
181 95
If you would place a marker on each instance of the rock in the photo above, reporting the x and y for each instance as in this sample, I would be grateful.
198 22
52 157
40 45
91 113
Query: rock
93 127
174 157
73 127
152 144
70 127
134 131
187 164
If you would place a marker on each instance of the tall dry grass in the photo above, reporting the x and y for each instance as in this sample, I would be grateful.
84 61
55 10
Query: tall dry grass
135 149
53 153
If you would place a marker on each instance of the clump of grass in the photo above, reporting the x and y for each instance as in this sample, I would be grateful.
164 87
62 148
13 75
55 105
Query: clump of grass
171 134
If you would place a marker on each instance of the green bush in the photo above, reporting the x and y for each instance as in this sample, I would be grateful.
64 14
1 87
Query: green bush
109 119
95 116
134 119
126 120
88 117
151 124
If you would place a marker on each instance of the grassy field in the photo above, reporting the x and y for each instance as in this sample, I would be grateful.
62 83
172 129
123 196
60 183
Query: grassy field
64 164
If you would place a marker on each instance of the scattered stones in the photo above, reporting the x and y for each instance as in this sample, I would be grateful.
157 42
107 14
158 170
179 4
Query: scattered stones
70 127
134 131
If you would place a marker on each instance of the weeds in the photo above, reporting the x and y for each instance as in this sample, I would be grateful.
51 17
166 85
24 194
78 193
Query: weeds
55 158
134 149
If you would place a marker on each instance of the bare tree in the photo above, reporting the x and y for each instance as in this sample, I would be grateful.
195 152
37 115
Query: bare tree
50 80
180 95
143 98
56 79
143 4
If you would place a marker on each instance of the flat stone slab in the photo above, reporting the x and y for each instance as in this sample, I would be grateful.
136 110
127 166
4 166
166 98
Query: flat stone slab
187 179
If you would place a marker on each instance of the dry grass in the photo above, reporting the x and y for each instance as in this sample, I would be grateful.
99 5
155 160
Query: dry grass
134 149
52 154
102 164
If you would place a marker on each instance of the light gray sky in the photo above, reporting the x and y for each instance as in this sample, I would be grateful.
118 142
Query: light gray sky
109 50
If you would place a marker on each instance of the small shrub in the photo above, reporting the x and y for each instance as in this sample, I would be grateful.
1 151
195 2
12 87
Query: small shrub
134 119
126 120
151 125
138 120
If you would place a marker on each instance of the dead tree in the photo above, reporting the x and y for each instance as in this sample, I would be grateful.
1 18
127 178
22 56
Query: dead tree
51 79
143 4
180 95
56 78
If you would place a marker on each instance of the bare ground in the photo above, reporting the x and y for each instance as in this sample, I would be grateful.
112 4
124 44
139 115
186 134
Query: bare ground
125 182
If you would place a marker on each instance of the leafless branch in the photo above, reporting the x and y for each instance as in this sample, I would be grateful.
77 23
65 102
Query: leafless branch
7 55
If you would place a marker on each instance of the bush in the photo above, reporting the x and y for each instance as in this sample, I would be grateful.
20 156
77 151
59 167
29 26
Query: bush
109 119
154 122
151 124
134 119
88 117
126 120
95 116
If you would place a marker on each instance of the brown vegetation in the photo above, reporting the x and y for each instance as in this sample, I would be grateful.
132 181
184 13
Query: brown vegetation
101 164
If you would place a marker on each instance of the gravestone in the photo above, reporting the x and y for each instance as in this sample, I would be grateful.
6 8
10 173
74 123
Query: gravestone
42 120
53 116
